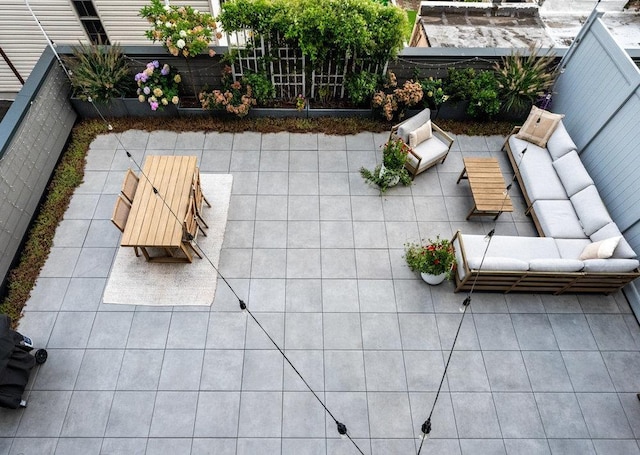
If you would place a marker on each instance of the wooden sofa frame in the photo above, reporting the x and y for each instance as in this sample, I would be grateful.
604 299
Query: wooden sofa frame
548 282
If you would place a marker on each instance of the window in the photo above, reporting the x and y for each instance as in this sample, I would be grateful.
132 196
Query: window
88 15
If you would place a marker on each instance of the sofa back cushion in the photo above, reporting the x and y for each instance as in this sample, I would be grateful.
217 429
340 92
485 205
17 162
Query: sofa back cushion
497 263
510 246
412 124
602 249
560 143
590 209
572 173
623 250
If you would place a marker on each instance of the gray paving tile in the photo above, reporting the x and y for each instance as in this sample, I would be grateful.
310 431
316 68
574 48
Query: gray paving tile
235 262
306 446
94 262
384 371
412 296
71 233
87 414
344 371
587 371
267 294
518 415
624 369
270 234
598 303
272 183
534 332
99 369
140 369
149 330
335 208
60 263
547 371
262 370
376 296
370 234
367 208
572 332
213 446
61 374
373 264
604 416
83 294
260 414
222 370
303 295
169 446
467 372
448 325
130 407
245 182
611 332
45 414
342 331
131 446
274 160
110 329
269 207
47 295
269 263
380 331
174 414
561 416
339 295
102 233
351 409
419 331
337 234
385 404
302 416
529 446
245 160
506 371
79 446
525 303
616 447
334 160
424 370
303 331
398 233
188 330
565 303
214 140
303 183
331 142
495 331
41 446
338 263
310 365
482 446
303 234
248 446
333 183
273 323
181 369
92 182
217 415
475 415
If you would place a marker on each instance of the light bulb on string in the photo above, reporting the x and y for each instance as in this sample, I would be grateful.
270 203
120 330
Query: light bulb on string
507 189
465 303
110 127
425 430
489 235
342 430
243 306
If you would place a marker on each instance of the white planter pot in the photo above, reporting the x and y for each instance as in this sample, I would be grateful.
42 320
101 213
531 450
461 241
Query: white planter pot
393 182
433 279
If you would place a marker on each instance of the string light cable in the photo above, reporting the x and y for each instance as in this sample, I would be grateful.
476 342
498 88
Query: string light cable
425 429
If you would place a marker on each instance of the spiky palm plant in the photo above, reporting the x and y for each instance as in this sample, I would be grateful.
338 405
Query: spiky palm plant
523 79
100 72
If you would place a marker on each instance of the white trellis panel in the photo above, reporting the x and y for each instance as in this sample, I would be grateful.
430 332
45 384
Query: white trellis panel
287 70
251 50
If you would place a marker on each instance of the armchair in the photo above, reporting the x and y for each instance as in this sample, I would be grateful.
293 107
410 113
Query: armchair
427 153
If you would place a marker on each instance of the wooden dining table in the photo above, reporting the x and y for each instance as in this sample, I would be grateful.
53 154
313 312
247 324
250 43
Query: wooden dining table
155 223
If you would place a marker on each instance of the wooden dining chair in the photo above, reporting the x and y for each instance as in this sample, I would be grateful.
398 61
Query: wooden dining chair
190 227
121 215
129 185
199 197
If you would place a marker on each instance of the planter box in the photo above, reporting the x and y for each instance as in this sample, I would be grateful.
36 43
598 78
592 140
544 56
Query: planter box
137 109
114 108
339 112
277 112
454 111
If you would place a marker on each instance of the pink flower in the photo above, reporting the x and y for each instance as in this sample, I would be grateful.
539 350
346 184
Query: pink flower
154 105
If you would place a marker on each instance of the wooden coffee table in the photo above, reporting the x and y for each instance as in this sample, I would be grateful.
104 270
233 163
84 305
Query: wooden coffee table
487 187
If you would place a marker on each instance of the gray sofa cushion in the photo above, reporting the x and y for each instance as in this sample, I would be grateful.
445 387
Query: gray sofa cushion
540 179
510 246
558 219
555 265
497 263
610 265
572 174
590 209
560 143
413 123
623 250
571 248
518 145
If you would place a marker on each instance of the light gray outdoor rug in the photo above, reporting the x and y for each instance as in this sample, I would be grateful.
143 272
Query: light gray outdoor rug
134 281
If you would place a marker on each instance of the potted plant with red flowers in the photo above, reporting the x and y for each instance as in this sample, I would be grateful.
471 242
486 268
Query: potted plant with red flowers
435 260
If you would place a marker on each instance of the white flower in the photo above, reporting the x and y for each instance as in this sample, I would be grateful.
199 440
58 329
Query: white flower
195 11
180 43
168 24
183 33
158 22
167 8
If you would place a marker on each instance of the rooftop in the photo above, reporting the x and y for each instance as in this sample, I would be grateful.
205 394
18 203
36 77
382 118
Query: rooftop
317 255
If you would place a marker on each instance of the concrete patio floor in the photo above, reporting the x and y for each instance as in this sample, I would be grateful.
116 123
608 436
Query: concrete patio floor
317 255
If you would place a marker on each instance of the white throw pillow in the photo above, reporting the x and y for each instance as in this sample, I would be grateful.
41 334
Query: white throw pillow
600 250
420 134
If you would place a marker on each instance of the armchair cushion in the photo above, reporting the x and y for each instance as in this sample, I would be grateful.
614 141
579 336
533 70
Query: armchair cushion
429 151
420 134
539 126
572 173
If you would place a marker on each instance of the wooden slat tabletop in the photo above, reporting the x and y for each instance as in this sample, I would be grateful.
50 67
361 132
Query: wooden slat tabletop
152 223
487 185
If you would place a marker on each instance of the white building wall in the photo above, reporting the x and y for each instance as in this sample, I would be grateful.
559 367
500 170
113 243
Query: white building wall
22 41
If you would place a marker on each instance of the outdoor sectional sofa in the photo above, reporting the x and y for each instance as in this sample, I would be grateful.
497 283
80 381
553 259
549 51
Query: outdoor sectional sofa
580 248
